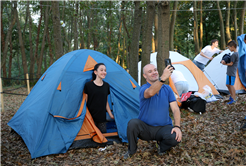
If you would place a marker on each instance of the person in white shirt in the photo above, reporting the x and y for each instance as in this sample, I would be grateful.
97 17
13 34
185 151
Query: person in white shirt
206 54
180 82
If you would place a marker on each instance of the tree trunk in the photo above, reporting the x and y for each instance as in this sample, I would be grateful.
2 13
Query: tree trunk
57 29
82 42
32 58
50 48
222 32
241 22
64 29
95 32
196 40
109 30
11 55
6 42
172 25
235 20
75 26
117 60
227 23
201 28
38 32
2 33
88 28
163 33
156 29
133 55
146 47
40 59
24 63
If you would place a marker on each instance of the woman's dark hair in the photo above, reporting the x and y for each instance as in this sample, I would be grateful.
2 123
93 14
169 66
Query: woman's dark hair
95 68
213 41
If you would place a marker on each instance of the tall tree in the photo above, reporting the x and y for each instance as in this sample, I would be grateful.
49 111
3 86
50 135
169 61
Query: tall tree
81 30
235 19
201 28
147 40
227 22
32 58
241 22
133 67
222 32
163 35
64 28
22 47
57 29
196 39
109 30
38 32
40 59
88 28
172 25
156 29
75 31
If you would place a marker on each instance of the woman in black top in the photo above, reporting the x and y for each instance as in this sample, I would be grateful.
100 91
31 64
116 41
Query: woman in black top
97 92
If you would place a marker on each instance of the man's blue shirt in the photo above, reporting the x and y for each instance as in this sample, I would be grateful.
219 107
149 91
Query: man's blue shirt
155 110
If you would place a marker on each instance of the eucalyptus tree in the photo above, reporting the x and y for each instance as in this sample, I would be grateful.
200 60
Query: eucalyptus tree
196 39
172 25
222 31
163 34
146 47
242 20
133 68
57 29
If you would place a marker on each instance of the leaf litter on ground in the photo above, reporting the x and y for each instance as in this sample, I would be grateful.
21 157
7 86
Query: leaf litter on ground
213 138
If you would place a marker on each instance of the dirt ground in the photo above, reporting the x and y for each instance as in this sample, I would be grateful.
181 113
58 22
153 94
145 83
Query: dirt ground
213 138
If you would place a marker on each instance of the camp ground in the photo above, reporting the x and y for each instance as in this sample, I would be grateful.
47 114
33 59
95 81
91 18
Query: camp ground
216 72
195 77
54 116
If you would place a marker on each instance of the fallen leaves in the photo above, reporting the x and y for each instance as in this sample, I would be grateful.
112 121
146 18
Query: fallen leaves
212 138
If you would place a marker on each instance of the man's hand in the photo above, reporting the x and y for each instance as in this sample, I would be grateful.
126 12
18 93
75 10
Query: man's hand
211 58
178 133
167 72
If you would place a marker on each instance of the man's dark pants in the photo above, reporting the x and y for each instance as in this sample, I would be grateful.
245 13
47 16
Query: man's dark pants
138 129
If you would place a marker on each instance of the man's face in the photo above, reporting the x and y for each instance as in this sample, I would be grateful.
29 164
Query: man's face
150 73
215 44
230 48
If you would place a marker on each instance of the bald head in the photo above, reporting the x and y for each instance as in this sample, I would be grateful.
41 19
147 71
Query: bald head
146 67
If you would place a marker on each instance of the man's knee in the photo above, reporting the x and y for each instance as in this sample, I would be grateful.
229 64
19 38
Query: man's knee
173 141
132 124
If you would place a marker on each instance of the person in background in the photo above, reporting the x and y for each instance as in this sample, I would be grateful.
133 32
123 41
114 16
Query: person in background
154 122
180 82
231 71
206 54
97 92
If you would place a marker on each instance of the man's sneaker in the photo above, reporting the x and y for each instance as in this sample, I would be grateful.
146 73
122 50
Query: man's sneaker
244 127
127 155
231 102
230 98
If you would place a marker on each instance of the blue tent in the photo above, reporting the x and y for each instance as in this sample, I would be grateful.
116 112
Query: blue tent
242 59
48 120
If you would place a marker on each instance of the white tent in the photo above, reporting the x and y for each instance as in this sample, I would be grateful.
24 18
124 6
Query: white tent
191 72
216 73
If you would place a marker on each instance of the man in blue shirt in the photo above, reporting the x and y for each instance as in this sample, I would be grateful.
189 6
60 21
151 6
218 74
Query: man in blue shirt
154 122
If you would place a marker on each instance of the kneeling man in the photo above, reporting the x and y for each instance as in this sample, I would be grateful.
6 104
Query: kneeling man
154 122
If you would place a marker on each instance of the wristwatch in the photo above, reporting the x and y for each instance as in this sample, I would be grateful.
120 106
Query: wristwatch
161 80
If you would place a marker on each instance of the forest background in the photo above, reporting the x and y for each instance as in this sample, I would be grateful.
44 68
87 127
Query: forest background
34 34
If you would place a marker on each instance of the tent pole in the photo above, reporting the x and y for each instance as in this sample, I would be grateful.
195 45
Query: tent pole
1 91
27 83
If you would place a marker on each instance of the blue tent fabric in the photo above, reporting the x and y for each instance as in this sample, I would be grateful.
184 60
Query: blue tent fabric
45 134
242 59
